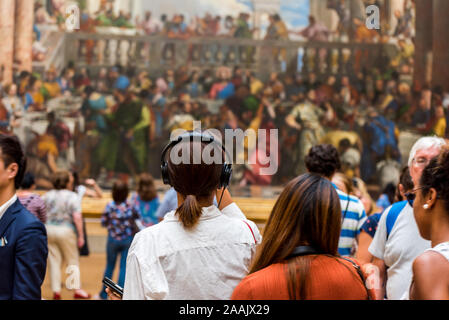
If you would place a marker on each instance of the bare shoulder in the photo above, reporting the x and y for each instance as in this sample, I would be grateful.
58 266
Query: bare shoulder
430 277
431 261
430 268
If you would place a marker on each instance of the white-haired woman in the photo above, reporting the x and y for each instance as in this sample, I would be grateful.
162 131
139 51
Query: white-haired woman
424 150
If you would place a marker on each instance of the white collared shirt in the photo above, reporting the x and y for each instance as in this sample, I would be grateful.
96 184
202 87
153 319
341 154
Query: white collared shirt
167 261
4 207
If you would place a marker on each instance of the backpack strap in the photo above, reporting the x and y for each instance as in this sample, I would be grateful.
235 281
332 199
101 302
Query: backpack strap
393 214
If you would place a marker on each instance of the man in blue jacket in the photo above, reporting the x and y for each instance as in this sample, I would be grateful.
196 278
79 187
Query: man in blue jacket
23 238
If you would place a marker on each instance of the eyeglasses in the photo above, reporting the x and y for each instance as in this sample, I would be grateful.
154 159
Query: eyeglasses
421 162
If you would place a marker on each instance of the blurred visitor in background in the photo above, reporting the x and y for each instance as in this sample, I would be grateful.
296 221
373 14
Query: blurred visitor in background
65 232
146 199
122 219
324 160
30 200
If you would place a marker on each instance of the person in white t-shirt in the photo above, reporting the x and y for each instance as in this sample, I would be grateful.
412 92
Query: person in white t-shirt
198 251
397 242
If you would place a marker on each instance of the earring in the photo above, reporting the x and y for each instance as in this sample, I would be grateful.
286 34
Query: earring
426 206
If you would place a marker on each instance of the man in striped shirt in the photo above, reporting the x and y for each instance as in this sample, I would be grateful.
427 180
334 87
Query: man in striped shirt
325 161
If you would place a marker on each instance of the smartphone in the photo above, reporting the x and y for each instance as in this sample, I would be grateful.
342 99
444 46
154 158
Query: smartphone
113 286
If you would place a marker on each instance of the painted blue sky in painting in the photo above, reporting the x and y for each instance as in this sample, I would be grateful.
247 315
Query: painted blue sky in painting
294 12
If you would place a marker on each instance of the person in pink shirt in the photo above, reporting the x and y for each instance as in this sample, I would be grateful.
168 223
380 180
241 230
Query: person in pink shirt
30 200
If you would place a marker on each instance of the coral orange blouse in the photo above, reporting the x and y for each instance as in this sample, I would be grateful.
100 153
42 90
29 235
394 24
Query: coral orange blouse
328 279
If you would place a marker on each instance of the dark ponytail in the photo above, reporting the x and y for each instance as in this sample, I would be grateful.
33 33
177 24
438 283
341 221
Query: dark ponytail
189 212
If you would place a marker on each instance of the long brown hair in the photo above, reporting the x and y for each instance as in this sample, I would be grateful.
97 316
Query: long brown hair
307 212
194 181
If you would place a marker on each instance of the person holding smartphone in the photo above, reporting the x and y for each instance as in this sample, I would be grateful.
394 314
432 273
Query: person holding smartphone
199 251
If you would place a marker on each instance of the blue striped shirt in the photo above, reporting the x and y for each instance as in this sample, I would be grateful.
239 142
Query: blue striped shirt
353 214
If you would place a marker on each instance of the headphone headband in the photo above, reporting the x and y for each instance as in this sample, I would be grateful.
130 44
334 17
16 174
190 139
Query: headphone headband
226 172
191 136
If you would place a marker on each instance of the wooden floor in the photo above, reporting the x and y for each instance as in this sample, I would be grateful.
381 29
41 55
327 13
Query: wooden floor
91 268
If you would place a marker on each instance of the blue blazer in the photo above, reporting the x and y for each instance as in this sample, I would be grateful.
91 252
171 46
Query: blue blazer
23 260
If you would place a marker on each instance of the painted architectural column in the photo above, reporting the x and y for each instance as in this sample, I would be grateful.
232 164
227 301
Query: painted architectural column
93 6
423 43
440 70
136 10
318 9
122 5
261 8
395 5
23 34
7 8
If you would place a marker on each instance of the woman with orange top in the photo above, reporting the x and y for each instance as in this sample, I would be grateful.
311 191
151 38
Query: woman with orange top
298 257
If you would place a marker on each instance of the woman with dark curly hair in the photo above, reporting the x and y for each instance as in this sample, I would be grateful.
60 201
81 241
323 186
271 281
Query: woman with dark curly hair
431 210
324 160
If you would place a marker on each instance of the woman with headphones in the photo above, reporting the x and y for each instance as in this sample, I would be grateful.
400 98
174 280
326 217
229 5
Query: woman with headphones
198 251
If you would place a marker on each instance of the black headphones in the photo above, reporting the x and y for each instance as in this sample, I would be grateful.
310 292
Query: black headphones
303 251
226 172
